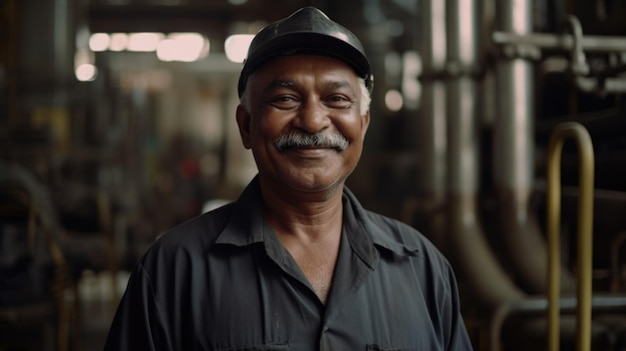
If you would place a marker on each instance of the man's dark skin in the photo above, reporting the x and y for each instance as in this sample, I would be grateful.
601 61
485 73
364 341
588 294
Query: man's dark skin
302 188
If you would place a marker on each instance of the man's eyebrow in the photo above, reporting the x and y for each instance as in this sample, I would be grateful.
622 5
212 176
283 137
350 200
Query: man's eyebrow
280 83
285 83
338 84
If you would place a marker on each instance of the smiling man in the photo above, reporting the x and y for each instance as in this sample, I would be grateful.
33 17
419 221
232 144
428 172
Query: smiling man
296 263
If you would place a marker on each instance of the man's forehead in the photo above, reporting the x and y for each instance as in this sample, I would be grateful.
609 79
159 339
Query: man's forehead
289 70
294 83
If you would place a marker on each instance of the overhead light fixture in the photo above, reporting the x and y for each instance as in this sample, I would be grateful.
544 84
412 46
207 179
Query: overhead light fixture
183 47
236 47
118 42
84 67
86 72
393 100
144 42
99 42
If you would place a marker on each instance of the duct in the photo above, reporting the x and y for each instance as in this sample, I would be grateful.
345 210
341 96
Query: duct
431 184
514 158
474 259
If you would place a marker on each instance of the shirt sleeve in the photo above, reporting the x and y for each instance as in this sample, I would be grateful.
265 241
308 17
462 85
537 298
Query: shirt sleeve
458 339
138 323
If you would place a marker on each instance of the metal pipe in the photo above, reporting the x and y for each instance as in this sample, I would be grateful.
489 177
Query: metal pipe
580 69
585 226
536 306
432 145
475 260
602 82
560 42
514 157
600 85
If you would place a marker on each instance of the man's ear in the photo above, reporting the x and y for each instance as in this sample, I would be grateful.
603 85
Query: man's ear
243 121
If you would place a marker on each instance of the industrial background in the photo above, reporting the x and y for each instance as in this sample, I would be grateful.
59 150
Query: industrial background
498 130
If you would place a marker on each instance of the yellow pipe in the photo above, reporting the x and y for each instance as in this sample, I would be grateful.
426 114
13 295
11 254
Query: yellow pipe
585 222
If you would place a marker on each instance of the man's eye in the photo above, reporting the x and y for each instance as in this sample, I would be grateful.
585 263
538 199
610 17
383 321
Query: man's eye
338 101
284 101
284 98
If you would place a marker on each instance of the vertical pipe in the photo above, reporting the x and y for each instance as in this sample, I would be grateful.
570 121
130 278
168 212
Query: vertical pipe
432 143
462 94
585 242
475 260
514 156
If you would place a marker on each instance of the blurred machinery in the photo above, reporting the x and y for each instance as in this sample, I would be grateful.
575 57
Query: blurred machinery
471 98
496 85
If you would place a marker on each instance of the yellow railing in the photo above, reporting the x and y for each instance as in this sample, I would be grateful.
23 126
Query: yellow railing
585 242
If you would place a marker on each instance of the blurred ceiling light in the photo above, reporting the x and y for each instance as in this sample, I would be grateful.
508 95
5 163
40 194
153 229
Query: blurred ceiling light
99 41
184 47
393 100
84 68
237 2
86 72
118 42
144 42
236 46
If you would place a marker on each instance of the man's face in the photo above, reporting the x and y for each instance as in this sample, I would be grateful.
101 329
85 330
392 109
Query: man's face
303 95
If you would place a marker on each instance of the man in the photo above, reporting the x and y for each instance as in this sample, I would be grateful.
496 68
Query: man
295 263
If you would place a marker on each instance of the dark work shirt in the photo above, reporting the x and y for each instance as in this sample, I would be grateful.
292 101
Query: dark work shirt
223 281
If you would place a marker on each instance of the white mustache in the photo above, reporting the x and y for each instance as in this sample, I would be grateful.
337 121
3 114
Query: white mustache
296 140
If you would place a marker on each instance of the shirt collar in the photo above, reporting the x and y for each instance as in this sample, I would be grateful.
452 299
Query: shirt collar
363 228
245 226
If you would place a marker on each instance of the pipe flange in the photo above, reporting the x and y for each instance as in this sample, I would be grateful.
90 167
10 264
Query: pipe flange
578 65
520 51
456 69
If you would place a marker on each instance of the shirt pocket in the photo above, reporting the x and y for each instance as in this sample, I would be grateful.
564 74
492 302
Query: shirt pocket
270 347
376 347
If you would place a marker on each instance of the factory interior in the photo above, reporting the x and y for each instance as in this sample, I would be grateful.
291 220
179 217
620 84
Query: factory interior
498 130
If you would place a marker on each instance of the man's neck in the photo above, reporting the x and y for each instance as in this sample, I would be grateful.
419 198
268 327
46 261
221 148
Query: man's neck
309 226
307 216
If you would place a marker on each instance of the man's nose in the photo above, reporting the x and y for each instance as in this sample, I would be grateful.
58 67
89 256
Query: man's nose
312 117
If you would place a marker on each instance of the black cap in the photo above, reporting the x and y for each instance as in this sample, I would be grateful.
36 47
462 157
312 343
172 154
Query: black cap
307 30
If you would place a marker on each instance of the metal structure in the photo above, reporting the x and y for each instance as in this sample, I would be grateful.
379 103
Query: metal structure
585 235
514 154
20 191
451 73
465 231
573 43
